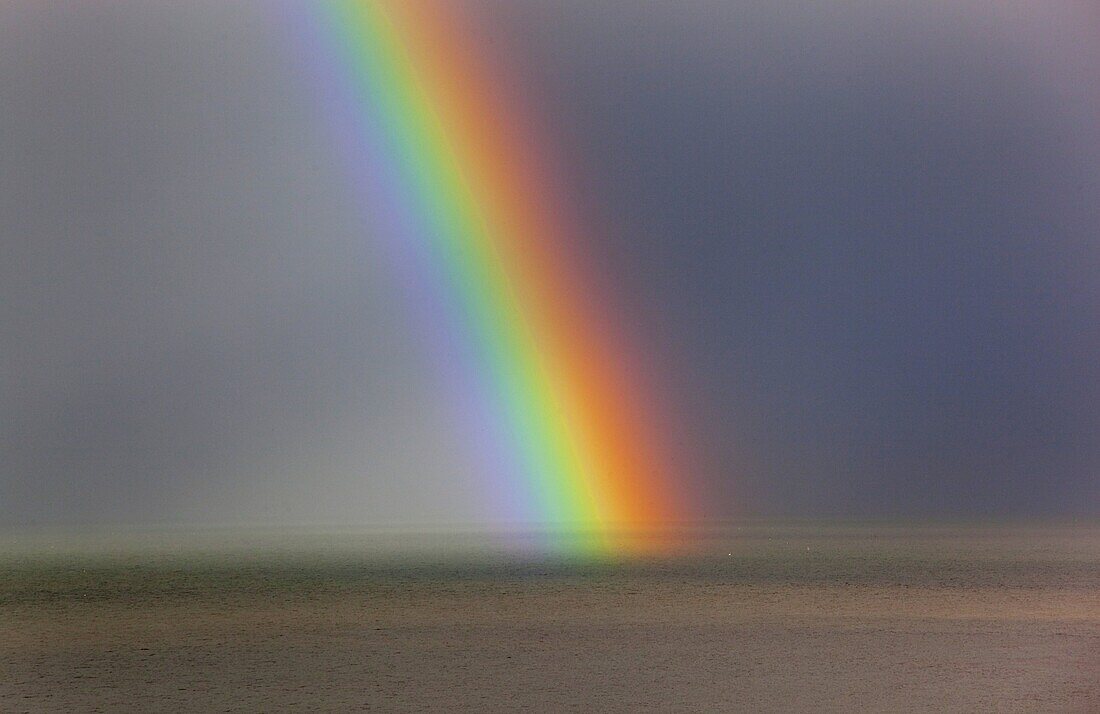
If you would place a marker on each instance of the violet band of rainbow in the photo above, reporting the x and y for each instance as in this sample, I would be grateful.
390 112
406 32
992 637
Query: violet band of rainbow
548 381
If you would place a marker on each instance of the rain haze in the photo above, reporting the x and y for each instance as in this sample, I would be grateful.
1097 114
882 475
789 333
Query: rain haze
859 241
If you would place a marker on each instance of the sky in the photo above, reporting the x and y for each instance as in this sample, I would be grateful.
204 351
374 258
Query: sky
859 240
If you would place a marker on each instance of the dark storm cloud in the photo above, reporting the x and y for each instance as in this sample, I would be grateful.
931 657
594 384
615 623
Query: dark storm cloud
865 233
861 236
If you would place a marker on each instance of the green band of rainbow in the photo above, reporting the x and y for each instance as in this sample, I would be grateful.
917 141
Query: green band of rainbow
453 155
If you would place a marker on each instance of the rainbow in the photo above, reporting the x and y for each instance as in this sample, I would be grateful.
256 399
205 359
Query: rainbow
551 389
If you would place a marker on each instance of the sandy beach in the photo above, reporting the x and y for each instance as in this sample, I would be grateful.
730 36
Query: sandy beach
788 617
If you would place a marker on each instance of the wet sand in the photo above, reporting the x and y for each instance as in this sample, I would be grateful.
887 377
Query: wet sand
804 617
